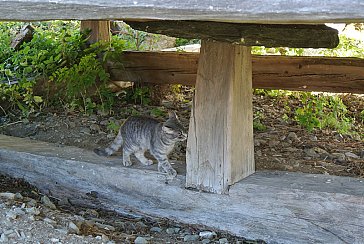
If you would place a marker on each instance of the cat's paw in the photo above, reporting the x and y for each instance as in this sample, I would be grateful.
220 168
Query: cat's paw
127 163
148 162
171 173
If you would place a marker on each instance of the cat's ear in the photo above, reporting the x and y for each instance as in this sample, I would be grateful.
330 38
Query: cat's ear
172 114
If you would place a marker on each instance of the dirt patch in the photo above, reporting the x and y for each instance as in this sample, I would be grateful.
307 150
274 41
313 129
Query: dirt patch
283 145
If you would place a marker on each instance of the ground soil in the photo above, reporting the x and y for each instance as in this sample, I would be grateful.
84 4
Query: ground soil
281 145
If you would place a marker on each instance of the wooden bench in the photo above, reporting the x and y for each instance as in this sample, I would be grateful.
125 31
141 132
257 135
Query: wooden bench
220 148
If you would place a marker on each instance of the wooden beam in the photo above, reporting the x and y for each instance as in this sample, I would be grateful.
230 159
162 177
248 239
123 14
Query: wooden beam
244 11
315 36
220 149
269 72
100 30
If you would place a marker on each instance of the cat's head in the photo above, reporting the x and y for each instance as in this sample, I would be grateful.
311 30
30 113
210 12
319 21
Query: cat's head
173 128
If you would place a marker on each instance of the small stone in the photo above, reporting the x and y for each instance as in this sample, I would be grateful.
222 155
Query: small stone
140 240
320 151
18 196
11 215
7 195
94 127
187 238
362 154
339 156
54 240
223 240
32 203
105 227
32 210
85 130
172 231
48 203
351 155
72 124
4 238
313 138
49 221
141 225
155 229
205 241
207 234
273 143
72 228
311 152
292 136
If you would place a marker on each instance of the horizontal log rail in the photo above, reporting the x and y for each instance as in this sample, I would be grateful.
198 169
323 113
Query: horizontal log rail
270 72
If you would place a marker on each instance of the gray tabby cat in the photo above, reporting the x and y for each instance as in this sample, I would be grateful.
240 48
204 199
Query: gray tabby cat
140 133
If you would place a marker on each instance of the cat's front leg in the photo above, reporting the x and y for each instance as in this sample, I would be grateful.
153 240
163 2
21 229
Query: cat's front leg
140 156
165 166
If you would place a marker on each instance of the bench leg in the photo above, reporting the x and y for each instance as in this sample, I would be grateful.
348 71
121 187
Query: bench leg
220 148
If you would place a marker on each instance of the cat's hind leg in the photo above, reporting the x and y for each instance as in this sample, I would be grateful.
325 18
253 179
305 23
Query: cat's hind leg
126 157
141 157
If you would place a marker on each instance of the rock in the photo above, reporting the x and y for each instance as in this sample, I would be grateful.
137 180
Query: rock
49 221
259 153
223 240
205 241
94 128
172 231
313 138
339 156
155 229
320 151
54 240
104 122
106 227
48 203
292 136
18 196
362 154
141 225
207 234
4 238
7 195
311 152
140 240
273 143
351 155
187 238
32 210
32 203
85 130
72 228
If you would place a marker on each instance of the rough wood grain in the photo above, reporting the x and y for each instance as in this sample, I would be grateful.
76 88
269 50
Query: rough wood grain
220 148
277 207
271 72
244 11
315 36
99 30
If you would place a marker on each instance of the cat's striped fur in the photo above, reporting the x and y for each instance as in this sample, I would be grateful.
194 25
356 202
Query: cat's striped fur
140 133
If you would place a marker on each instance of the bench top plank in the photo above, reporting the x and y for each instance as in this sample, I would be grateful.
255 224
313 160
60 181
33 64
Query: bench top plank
243 11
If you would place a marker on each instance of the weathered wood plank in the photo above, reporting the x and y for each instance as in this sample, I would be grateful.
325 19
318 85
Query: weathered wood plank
315 36
244 11
277 207
270 72
220 148
100 30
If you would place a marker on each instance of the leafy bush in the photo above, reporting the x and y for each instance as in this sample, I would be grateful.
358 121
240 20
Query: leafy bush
59 54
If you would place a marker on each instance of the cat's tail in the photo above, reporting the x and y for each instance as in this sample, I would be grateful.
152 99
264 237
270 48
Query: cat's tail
114 146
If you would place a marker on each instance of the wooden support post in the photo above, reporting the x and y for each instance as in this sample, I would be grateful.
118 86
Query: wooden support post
220 149
100 30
